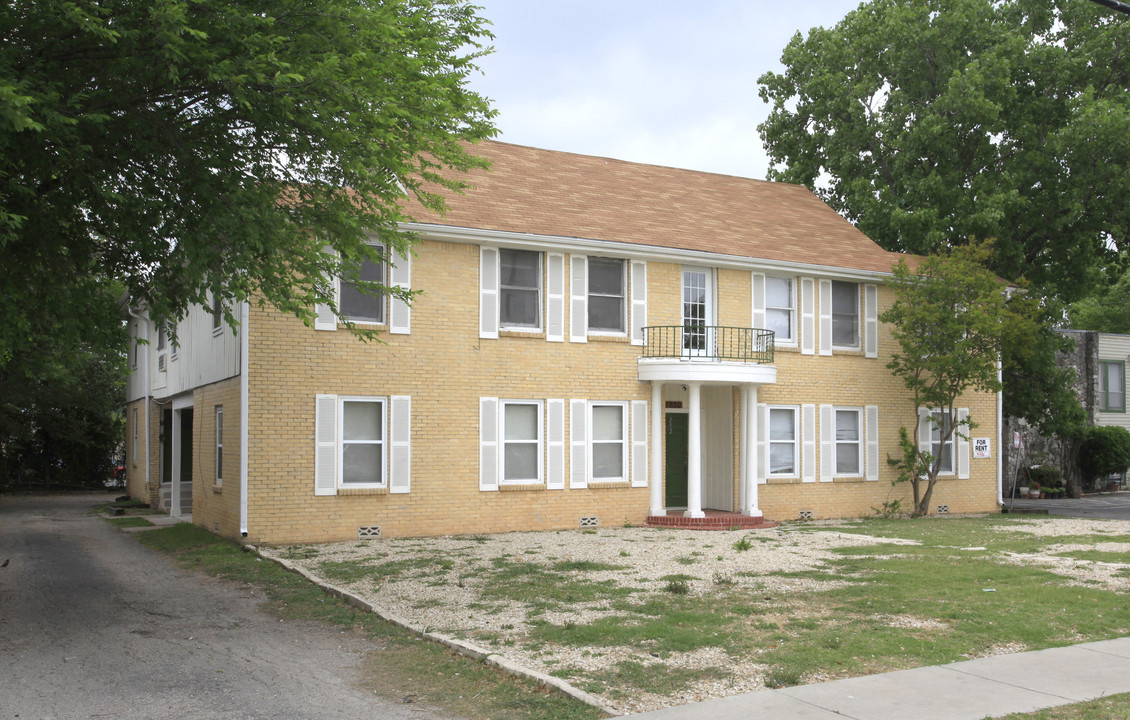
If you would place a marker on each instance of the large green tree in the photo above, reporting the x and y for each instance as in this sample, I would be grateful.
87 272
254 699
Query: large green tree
928 122
186 148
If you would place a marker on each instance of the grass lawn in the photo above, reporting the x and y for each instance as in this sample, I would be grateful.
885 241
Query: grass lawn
401 664
1115 707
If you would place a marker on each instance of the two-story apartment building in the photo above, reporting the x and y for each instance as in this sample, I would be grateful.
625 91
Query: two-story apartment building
594 342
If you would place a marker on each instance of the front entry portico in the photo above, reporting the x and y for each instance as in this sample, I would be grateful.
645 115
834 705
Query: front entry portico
709 487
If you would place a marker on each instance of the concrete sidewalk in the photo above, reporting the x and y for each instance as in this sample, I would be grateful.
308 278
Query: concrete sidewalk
969 690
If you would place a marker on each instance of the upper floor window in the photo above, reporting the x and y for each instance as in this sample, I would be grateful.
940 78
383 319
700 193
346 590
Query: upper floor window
1112 386
779 308
360 307
520 289
845 314
941 425
217 313
606 297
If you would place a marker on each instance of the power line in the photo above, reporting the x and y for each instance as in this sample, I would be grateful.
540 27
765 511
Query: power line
1115 5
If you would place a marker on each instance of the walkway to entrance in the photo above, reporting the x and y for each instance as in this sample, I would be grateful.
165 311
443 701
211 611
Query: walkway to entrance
714 520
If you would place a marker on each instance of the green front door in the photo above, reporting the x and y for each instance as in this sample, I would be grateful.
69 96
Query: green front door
676 459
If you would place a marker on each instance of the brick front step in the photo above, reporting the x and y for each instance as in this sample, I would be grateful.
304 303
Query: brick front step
714 520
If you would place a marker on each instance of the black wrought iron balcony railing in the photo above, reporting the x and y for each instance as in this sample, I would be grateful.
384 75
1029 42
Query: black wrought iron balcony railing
708 342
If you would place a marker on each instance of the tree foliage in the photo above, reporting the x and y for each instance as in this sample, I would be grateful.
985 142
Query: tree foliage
1105 450
1106 308
927 122
196 148
951 319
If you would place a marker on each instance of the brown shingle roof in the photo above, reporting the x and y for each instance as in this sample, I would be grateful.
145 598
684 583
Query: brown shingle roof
546 192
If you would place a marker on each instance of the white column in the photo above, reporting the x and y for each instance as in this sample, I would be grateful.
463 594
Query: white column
749 440
658 433
694 453
743 450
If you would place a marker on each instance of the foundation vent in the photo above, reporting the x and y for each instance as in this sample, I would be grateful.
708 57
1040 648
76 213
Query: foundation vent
943 509
590 521
216 526
805 515
368 531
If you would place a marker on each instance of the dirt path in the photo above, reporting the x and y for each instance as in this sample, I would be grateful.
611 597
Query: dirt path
94 625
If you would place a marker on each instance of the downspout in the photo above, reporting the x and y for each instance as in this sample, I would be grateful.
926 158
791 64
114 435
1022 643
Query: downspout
244 412
148 400
1001 435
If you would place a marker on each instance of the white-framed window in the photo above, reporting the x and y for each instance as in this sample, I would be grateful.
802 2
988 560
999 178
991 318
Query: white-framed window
1112 386
845 314
361 450
784 434
780 303
608 441
848 441
217 315
219 444
162 348
698 310
940 423
360 307
174 346
133 453
522 439
519 289
607 295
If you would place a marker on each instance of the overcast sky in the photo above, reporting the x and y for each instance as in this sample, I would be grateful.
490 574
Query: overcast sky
653 81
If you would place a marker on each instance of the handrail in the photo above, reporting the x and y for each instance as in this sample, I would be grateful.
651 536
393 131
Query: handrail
708 342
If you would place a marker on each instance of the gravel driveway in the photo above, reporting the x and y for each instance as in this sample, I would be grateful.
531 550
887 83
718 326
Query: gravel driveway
92 625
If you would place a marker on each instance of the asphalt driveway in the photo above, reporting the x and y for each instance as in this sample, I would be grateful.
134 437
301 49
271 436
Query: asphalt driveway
1112 506
92 625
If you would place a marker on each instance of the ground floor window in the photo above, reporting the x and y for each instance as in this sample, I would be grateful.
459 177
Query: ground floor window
608 457
941 422
782 442
849 441
219 444
521 441
362 448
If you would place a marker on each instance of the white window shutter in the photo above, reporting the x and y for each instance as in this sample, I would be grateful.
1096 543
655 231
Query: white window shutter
488 443
807 316
578 442
639 301
872 460
325 441
555 477
400 312
871 321
827 443
808 442
488 292
825 317
579 292
962 443
639 443
555 298
400 444
324 318
758 300
762 443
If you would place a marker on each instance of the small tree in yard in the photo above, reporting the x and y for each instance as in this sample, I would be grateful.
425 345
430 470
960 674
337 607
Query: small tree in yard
951 319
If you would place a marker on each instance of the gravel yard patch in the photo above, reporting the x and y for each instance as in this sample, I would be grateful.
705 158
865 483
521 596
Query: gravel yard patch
560 602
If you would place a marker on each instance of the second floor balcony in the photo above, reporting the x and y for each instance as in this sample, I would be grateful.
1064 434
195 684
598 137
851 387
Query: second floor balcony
707 353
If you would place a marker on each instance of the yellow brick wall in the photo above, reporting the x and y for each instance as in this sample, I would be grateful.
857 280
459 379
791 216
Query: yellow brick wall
215 506
136 486
446 368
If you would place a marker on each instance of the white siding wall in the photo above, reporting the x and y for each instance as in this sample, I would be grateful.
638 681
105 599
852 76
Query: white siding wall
1114 347
201 357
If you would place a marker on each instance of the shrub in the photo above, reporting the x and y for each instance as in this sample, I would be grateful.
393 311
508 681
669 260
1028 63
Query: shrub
1046 476
1104 450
